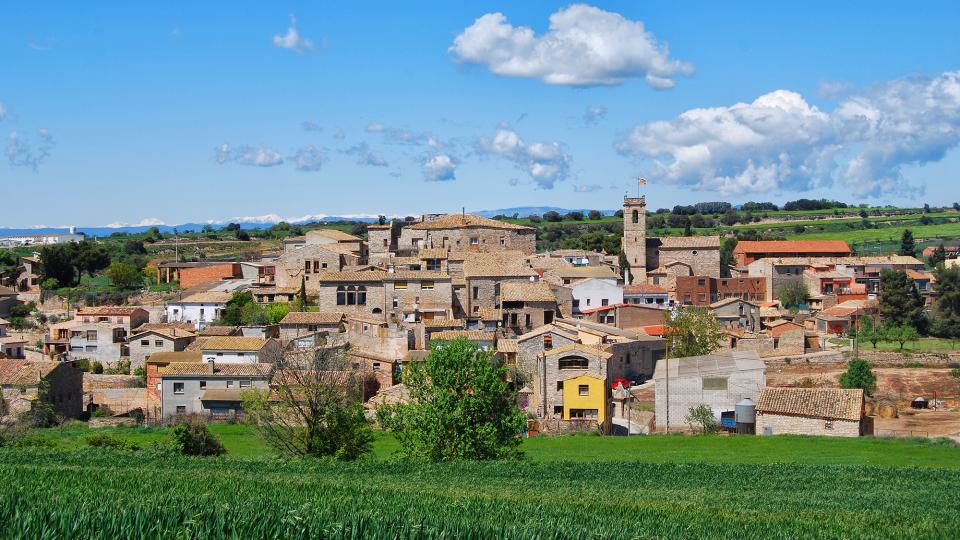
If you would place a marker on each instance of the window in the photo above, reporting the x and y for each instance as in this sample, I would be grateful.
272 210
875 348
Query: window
547 342
583 413
376 366
144 342
604 302
426 285
476 293
91 335
396 302
628 358
400 285
240 354
576 303
714 383
386 243
158 343
203 385
828 424
229 384
245 383
547 316
91 348
503 241
526 320
701 282
178 388
573 362
474 240
496 289
583 389
588 301
702 297
635 216
558 409
351 295
559 386
181 409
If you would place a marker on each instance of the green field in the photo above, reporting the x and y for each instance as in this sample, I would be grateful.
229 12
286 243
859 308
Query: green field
116 494
243 441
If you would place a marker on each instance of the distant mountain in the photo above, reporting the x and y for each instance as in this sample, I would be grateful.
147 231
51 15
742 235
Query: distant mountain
524 211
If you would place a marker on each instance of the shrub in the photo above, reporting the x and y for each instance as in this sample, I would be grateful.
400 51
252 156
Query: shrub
701 418
96 367
193 438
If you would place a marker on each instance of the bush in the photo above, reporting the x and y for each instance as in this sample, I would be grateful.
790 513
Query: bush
193 438
96 367
701 418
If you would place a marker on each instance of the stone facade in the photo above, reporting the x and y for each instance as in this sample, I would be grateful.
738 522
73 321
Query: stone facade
466 233
782 424
310 261
374 304
635 237
418 294
145 344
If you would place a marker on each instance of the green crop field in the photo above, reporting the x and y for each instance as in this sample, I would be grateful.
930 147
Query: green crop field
115 494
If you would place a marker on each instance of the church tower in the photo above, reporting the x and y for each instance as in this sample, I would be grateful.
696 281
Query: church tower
635 237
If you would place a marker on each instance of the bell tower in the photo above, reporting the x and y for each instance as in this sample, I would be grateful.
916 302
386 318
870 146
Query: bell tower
635 237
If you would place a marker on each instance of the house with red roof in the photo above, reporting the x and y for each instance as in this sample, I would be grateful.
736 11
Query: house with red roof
748 251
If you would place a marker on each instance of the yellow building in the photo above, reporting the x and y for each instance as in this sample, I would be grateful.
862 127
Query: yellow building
585 398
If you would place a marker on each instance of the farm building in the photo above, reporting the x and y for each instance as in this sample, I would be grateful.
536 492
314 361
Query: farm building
718 380
812 411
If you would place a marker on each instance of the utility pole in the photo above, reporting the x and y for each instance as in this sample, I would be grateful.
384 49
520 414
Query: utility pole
667 374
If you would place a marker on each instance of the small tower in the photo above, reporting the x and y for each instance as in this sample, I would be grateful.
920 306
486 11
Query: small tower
635 237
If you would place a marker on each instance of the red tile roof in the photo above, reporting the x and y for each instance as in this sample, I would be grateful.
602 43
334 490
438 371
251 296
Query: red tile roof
792 246
643 288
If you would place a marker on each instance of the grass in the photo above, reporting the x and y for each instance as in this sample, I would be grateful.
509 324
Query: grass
925 344
243 441
888 234
113 494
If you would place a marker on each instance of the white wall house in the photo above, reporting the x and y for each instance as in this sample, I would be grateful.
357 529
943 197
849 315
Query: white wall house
595 292
239 350
199 309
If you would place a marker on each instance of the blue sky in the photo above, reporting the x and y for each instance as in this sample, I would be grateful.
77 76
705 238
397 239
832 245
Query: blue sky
119 113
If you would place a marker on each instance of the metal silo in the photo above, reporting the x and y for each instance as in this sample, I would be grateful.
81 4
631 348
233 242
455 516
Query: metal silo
745 413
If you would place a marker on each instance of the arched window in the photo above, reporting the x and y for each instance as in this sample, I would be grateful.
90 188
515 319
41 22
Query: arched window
341 296
351 295
636 216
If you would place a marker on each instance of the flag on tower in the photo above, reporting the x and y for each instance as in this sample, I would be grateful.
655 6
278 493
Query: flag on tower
643 181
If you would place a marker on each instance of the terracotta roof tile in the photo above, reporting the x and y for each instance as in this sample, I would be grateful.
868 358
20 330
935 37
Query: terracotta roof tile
526 291
123 311
461 221
833 403
312 317
643 288
792 246
363 276
443 323
234 343
25 372
688 242
186 369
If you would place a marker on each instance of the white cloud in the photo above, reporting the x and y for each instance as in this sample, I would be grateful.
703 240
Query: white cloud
403 136
584 188
439 168
366 156
779 141
20 152
308 159
545 162
258 156
146 222
309 125
834 89
584 46
292 39
593 115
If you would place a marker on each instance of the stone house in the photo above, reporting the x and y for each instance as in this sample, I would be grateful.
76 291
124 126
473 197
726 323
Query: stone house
700 253
155 367
467 233
380 371
192 274
737 313
374 334
28 280
666 275
567 275
415 295
209 389
299 325
21 382
128 317
830 412
718 380
382 240
705 290
525 305
484 276
240 350
104 342
353 293
8 299
11 347
483 339
150 339
747 251
200 309
307 264
270 295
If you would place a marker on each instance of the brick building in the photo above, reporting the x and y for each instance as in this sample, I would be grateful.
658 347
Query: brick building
747 251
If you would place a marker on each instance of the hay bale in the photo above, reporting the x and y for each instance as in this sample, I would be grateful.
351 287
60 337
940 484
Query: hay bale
887 410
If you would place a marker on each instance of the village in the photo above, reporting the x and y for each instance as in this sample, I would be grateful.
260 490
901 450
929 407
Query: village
585 335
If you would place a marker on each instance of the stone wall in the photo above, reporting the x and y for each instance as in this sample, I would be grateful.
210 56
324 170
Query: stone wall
488 239
780 424
111 422
439 297
703 261
375 305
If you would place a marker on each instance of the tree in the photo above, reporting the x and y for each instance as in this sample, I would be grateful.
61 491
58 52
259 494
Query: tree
869 332
692 331
302 297
946 319
901 334
687 229
192 437
900 303
726 251
701 418
618 213
57 263
461 406
134 247
242 235
939 255
908 247
624 264
124 276
90 257
859 374
595 215
793 295
232 314
317 411
730 217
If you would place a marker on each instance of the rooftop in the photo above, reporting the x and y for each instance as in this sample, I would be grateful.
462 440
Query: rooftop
834 403
526 291
124 311
312 317
223 369
25 372
360 276
688 242
792 246
462 221
234 343
208 297
471 335
643 288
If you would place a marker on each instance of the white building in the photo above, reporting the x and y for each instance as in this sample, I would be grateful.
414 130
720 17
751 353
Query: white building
42 239
239 350
199 309
718 380
595 292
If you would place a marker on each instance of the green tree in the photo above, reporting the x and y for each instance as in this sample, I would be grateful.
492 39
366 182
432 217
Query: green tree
134 247
688 229
869 332
726 251
317 411
900 303
793 295
624 264
302 297
702 419
692 331
233 311
859 374
595 215
56 262
946 319
461 406
939 255
193 438
124 276
90 257
730 217
901 334
907 245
